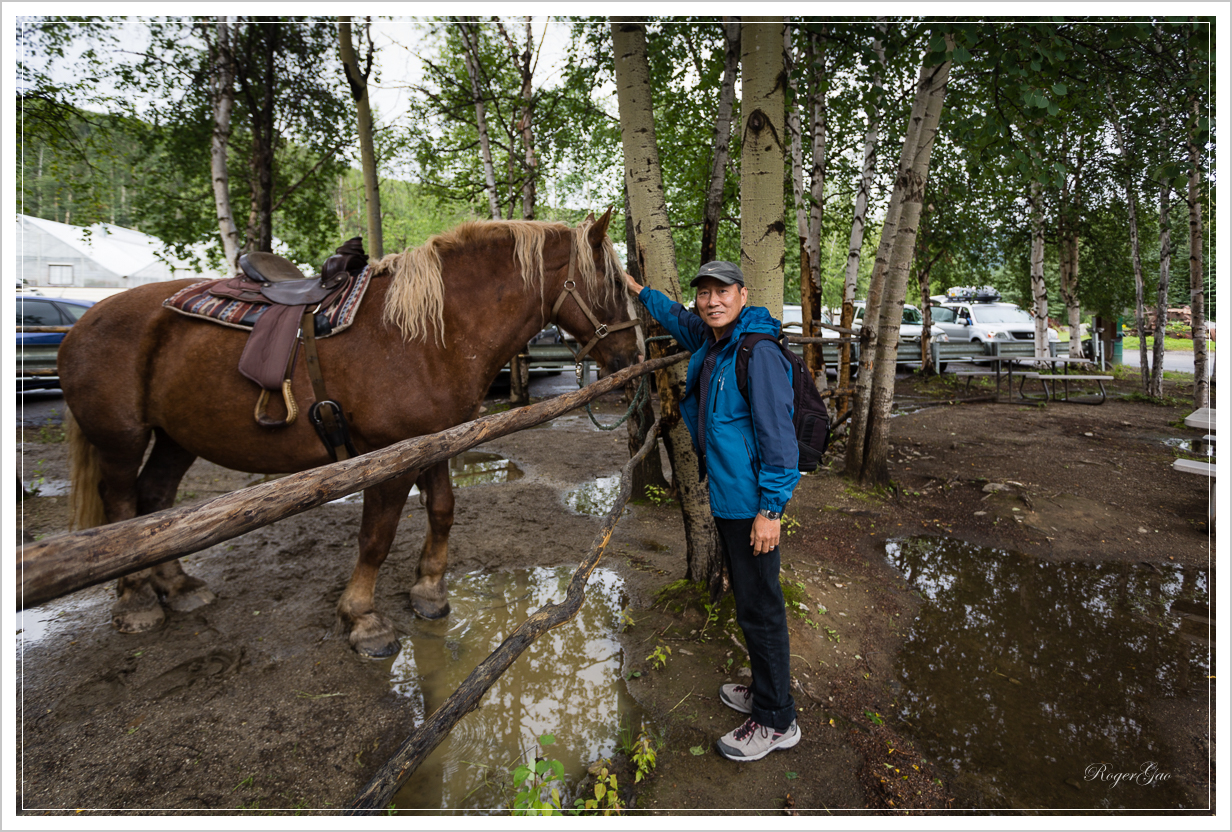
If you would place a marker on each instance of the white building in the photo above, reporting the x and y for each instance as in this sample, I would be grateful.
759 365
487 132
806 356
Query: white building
91 263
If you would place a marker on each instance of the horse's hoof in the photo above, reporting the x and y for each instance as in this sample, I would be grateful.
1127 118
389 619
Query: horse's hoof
189 601
430 610
138 621
372 635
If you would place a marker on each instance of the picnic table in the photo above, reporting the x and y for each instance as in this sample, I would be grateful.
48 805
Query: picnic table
995 361
1203 419
1062 380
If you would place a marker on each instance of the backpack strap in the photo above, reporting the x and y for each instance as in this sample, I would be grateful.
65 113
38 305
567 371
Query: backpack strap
744 351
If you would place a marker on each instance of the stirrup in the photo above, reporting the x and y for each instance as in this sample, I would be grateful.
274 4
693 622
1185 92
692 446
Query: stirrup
288 399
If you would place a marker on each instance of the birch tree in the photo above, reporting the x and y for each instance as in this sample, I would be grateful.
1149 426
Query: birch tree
222 99
656 258
357 81
868 438
761 162
470 39
722 140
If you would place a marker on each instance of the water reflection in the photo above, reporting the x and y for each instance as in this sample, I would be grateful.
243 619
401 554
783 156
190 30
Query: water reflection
467 468
1019 674
595 498
567 683
1197 447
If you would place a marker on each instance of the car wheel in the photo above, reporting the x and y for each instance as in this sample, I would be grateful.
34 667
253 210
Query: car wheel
941 367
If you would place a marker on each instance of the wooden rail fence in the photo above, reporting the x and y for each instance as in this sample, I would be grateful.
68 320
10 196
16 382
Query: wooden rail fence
66 563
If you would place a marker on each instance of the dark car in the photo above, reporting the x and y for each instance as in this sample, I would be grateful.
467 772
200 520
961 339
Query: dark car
36 351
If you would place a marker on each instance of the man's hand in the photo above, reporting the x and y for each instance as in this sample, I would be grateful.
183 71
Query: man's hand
765 535
634 286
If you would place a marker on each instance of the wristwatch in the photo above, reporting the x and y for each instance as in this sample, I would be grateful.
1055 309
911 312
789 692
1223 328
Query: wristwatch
770 515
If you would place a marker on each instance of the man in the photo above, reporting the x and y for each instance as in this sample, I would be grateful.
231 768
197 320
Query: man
748 452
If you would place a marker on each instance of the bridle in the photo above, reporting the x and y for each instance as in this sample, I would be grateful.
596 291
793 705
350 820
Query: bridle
602 330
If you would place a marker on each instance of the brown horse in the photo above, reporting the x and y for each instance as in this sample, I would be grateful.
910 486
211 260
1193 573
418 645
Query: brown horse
437 324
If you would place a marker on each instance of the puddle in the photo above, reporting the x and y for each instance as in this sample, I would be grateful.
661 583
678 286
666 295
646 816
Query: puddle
37 623
47 488
567 683
1191 446
467 468
1023 676
596 498
904 407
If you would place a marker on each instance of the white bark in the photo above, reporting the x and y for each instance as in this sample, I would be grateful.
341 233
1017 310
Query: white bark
1197 284
470 36
855 242
761 162
722 140
656 259
1161 299
1039 291
222 92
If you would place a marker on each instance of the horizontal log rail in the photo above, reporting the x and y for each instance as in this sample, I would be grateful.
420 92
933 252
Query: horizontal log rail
381 789
66 563
817 339
43 328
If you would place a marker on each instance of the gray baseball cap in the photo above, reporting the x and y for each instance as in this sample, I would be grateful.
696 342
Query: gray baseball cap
722 271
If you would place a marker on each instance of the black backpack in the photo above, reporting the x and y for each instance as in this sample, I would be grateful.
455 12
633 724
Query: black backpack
809 416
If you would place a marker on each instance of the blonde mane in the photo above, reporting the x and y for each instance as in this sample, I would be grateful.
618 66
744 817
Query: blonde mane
415 300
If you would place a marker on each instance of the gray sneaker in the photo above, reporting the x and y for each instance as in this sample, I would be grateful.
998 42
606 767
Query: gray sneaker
752 741
737 697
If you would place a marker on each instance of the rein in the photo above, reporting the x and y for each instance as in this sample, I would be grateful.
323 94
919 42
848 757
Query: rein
601 329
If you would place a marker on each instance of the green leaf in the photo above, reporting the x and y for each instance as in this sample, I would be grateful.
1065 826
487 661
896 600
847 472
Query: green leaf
547 739
791 775
697 750
1180 182
961 55
1060 89
600 790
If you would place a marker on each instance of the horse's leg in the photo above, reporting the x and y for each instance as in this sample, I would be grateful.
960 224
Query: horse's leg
372 634
136 608
428 595
156 490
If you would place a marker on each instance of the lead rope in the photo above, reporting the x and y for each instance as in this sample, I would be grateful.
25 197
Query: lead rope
640 396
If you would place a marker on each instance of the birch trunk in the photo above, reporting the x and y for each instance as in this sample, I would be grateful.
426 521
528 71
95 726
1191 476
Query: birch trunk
470 37
857 433
856 242
1197 283
1073 306
1161 299
656 258
649 471
810 281
1039 290
722 141
357 80
809 299
911 181
223 94
762 233
522 58
1135 252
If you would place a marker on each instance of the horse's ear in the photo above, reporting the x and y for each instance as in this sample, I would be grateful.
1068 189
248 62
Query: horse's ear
598 231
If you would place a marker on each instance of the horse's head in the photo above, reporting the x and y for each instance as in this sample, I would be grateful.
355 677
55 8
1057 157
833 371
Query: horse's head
593 305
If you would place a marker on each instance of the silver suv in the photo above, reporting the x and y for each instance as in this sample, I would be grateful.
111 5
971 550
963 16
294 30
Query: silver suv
968 315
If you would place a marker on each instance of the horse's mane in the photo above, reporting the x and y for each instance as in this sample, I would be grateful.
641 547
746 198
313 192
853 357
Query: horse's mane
415 300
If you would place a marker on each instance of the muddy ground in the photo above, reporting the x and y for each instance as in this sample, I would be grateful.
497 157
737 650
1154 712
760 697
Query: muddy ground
222 709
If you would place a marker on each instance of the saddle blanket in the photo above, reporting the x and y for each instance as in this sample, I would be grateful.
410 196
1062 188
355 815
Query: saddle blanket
198 301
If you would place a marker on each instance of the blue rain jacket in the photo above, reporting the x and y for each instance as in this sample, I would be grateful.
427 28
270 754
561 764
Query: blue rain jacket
751 451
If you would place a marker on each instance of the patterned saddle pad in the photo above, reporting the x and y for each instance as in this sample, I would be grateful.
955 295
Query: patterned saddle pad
197 301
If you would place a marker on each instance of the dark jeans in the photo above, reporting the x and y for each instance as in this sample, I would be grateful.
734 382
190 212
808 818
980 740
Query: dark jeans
762 616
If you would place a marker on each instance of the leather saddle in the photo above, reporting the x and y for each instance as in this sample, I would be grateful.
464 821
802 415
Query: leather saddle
281 282
293 302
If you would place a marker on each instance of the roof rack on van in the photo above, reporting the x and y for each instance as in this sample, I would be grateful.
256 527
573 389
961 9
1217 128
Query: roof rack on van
983 294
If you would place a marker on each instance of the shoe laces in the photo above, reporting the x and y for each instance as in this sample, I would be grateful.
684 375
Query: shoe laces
746 730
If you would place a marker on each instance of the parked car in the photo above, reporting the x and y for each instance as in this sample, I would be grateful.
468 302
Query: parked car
978 315
36 351
910 330
793 321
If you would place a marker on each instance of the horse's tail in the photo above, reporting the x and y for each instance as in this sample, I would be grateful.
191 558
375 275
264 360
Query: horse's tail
85 473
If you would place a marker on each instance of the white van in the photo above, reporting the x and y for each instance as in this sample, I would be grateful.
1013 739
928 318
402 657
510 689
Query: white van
978 315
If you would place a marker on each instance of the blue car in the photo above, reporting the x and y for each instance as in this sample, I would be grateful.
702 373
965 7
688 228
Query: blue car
36 351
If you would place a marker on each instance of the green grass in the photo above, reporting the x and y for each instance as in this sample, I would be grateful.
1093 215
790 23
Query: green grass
1130 342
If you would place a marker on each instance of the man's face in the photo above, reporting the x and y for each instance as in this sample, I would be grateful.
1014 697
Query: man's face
720 303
